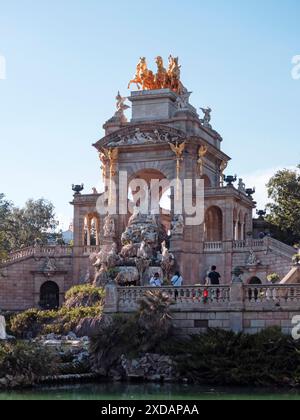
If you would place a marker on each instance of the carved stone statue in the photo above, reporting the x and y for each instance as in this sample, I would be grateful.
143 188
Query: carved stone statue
3 335
177 225
49 266
182 101
121 108
113 259
202 152
242 186
145 251
207 117
252 259
168 260
142 265
109 227
102 277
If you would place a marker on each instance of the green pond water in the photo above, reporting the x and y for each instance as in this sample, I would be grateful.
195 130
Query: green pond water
149 392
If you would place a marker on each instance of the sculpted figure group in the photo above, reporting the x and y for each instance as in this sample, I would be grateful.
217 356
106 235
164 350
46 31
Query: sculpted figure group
145 79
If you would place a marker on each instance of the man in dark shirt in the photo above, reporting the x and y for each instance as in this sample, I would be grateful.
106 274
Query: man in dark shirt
214 276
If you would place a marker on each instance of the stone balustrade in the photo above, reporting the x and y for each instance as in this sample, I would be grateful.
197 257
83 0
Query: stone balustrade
213 297
236 308
213 247
89 250
236 246
128 297
39 252
255 244
272 294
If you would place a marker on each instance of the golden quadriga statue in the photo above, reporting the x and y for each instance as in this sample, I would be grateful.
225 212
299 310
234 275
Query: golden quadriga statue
169 78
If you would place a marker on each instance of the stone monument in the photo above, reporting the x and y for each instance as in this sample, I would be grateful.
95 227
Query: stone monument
3 335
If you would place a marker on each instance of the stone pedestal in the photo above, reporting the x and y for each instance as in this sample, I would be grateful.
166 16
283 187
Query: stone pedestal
236 318
111 299
153 105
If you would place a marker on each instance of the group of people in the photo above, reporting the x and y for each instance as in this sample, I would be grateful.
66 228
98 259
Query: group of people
213 279
156 280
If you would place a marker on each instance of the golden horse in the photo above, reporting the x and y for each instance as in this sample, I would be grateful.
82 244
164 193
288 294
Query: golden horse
173 75
144 78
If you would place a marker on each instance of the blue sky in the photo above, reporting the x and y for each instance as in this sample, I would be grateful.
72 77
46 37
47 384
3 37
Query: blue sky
67 59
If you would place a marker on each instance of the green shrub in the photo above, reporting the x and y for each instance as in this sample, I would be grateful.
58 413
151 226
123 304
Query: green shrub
120 336
33 322
84 295
30 323
29 360
226 358
84 301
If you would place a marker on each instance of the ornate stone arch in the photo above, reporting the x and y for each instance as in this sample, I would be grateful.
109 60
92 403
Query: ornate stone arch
141 134
91 229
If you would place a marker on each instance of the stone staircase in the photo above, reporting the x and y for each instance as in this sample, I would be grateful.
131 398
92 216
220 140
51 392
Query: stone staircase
280 247
37 252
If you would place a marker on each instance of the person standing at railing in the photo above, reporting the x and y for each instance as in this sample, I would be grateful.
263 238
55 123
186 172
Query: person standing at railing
214 277
177 280
156 281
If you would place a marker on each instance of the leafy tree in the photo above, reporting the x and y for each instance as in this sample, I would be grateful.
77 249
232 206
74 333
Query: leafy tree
5 210
284 191
22 227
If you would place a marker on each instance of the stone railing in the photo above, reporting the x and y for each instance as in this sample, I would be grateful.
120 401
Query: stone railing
209 298
272 294
249 243
280 246
213 246
237 246
88 250
39 252
126 299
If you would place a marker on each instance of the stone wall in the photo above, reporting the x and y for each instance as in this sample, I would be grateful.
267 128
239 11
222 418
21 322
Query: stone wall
21 278
187 323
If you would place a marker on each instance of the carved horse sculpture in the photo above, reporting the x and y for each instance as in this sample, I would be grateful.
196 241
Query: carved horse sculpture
161 75
173 78
146 80
144 77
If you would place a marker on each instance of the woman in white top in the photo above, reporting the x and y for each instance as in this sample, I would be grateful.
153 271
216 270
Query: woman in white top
177 280
156 281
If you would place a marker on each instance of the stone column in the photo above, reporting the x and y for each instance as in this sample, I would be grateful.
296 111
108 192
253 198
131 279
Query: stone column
236 231
97 232
242 231
89 227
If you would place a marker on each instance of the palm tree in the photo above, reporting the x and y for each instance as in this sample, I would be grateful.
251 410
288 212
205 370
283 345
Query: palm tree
154 316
